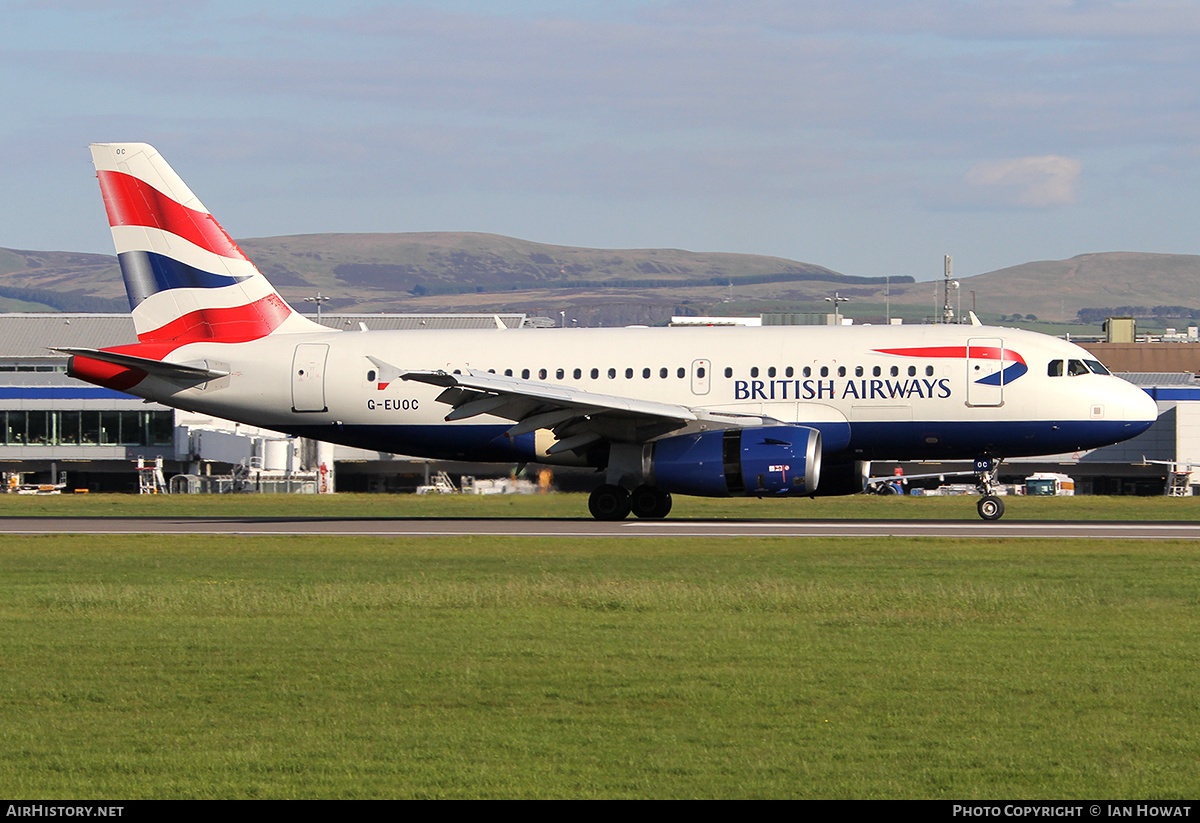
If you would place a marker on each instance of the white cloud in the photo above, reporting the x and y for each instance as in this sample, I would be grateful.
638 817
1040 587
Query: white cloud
1035 182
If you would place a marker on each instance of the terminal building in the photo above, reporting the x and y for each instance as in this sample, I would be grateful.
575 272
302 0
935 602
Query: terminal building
56 429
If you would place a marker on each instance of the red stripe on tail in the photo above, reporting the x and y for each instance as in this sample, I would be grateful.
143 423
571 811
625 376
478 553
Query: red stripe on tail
224 325
132 202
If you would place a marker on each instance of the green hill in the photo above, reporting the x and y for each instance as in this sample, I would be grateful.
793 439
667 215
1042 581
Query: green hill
1058 289
462 271
452 271
60 281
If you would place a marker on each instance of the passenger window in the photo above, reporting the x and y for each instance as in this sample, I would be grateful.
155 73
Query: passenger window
790 371
728 372
858 371
754 371
929 371
578 373
807 371
841 371
508 372
824 371
646 373
524 374
876 371
559 374
663 372
541 374
1055 368
682 373
771 372
595 373
912 371
612 374
700 372
895 371
371 376
629 374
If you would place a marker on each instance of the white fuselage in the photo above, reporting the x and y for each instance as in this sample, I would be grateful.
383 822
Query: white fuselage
875 392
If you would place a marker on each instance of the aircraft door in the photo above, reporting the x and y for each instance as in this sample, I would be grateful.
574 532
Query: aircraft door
308 377
985 371
701 375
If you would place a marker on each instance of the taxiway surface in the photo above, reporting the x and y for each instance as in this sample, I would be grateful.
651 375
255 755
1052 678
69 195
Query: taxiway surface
539 527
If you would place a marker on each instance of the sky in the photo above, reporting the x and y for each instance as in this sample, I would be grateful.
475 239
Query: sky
870 137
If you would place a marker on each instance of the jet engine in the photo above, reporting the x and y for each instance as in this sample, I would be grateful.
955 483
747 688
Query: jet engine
844 477
763 460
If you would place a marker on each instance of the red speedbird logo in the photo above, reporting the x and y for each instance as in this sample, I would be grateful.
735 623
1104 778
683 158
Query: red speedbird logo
1006 375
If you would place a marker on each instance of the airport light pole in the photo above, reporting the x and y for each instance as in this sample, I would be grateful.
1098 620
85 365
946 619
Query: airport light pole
319 299
836 300
947 312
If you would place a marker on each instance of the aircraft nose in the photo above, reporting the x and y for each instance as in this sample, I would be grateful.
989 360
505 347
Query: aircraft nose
1140 407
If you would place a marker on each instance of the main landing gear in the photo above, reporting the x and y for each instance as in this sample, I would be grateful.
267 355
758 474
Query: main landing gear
991 507
614 503
610 502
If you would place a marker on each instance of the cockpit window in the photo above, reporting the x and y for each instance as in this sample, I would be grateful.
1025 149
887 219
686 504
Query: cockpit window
1097 367
1055 368
1076 368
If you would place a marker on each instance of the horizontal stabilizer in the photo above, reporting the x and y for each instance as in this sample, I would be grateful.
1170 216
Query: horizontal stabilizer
158 368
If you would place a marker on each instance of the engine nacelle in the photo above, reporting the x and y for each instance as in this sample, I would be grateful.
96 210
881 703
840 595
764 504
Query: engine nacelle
765 460
849 477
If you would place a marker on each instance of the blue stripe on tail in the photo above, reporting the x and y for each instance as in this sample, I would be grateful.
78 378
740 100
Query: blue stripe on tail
148 273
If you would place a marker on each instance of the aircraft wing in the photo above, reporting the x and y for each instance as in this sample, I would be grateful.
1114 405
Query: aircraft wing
888 478
577 417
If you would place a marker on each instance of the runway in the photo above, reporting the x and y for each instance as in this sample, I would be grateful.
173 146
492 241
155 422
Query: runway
539 527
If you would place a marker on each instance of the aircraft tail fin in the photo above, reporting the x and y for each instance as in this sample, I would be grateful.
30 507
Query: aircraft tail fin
186 279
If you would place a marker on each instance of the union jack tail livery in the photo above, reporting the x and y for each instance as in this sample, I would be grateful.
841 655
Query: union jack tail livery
186 279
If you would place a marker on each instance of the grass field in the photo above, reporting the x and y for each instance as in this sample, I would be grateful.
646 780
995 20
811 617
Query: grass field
495 667
575 506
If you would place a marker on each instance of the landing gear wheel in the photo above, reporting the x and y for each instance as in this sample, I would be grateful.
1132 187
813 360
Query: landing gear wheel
609 503
649 502
991 507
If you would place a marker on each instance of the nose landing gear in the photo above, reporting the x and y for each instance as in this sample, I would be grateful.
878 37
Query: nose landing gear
991 506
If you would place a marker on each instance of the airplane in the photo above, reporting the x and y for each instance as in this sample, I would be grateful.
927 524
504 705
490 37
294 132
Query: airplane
779 411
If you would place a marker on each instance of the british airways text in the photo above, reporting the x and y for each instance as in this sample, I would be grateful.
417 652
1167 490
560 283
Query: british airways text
830 390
